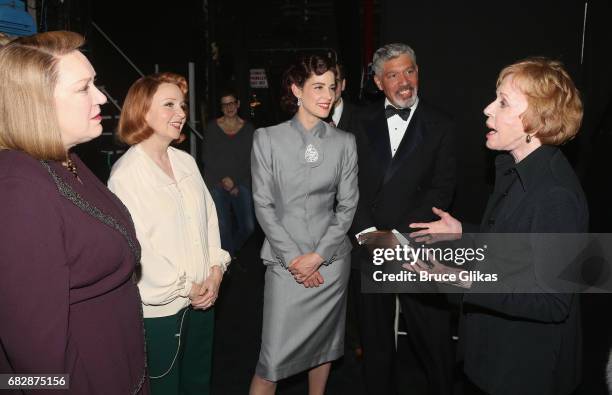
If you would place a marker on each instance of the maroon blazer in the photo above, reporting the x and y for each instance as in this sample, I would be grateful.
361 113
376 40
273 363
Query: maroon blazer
68 301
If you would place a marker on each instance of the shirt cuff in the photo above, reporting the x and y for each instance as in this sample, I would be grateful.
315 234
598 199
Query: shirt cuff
370 229
220 257
400 237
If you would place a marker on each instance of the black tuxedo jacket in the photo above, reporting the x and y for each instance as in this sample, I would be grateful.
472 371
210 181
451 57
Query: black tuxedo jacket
395 191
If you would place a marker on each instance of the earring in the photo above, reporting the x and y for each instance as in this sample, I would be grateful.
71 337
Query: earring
528 139
299 101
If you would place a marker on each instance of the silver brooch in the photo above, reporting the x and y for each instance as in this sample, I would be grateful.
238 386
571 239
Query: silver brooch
311 155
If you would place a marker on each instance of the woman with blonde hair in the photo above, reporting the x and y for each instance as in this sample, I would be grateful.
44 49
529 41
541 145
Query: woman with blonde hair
177 227
68 249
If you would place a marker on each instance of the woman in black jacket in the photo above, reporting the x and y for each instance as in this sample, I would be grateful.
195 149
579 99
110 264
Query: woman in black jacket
521 335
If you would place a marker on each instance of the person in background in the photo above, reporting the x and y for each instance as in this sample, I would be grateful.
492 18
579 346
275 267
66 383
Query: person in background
344 114
68 249
536 109
176 224
305 193
227 171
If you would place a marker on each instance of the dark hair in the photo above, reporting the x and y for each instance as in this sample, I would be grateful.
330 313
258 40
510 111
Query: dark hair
228 91
340 73
298 73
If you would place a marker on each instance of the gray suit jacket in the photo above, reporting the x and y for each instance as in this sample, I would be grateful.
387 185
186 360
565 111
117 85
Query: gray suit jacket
304 190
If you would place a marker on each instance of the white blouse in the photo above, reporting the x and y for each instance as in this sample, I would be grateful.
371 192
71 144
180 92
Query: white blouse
176 225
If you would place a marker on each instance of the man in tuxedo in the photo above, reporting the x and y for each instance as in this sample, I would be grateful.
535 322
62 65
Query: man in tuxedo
344 113
406 167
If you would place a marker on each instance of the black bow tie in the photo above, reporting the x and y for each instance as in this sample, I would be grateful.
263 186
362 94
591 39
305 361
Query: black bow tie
404 113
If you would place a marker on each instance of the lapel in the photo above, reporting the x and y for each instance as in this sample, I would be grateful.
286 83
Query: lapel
346 118
343 122
413 136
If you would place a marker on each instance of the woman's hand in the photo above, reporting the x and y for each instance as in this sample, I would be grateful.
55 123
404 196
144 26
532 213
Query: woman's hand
305 265
227 183
314 280
195 291
209 290
445 229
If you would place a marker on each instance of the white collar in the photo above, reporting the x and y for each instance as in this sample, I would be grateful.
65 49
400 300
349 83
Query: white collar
338 112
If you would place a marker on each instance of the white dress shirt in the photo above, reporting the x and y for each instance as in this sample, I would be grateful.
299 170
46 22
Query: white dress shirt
337 114
397 128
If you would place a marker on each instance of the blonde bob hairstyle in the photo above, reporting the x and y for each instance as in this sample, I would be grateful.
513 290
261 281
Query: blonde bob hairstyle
554 111
133 127
28 76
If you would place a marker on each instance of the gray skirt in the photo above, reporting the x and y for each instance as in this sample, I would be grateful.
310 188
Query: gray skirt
302 327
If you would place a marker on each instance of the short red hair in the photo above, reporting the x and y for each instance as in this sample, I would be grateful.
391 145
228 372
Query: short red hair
133 127
555 109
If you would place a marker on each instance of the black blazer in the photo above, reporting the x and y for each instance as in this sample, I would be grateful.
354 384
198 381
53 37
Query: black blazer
393 192
349 120
527 340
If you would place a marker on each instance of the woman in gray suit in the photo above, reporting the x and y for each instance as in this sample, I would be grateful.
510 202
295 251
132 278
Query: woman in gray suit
305 194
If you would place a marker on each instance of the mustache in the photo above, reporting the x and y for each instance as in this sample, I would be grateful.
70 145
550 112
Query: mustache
407 86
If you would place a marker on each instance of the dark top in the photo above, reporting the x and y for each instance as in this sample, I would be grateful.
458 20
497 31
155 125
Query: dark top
226 155
349 119
526 340
69 302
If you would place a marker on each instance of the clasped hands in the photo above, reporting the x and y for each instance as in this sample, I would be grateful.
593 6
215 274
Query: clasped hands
204 294
230 186
305 269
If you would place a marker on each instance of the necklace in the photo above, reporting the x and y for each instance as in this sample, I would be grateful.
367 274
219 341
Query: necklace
71 166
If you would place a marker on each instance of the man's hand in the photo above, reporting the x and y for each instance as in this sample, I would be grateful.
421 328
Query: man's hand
378 239
305 265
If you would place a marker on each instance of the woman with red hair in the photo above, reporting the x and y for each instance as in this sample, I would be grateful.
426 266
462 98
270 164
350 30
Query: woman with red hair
176 224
